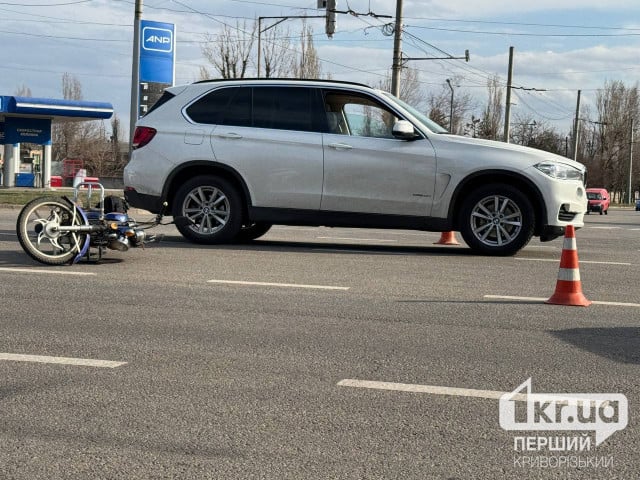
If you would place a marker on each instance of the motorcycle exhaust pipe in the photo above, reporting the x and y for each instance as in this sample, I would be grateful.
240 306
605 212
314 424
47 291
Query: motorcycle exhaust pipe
120 243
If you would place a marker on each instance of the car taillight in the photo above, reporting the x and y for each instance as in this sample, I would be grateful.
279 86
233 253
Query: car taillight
142 136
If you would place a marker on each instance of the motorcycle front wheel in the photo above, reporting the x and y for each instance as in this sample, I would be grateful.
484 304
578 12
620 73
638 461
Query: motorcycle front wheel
40 235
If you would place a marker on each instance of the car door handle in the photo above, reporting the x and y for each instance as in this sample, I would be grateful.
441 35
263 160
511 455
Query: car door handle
340 146
227 135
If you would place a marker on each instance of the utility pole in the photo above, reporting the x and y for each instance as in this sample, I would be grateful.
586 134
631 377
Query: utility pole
397 52
507 111
630 162
576 128
135 72
450 108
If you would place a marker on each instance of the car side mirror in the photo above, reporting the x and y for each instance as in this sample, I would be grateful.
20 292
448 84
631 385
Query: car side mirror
403 130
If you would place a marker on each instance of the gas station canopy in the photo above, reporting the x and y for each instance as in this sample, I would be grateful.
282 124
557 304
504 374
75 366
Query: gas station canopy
54 109
28 120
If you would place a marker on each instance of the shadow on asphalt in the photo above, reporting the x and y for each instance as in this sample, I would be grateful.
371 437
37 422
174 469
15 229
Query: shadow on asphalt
620 344
177 241
18 258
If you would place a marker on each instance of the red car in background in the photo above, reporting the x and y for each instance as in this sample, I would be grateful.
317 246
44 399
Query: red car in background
598 200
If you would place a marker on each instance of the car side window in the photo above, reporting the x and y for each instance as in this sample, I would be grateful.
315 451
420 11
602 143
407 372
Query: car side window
286 108
223 106
353 114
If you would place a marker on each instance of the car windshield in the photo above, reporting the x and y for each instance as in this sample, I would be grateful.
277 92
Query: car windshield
594 196
422 118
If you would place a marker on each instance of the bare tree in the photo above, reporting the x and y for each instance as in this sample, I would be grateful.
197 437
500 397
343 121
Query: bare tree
23 91
230 51
617 105
439 105
411 89
276 53
307 64
491 121
82 140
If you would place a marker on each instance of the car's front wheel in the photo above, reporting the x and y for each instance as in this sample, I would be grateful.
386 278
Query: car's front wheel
213 207
497 220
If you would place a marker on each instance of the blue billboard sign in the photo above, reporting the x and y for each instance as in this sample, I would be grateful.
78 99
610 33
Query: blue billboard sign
157 52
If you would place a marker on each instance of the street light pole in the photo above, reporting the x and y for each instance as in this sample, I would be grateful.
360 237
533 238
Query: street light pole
630 160
450 107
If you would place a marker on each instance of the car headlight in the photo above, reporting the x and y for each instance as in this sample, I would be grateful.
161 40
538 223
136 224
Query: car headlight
560 171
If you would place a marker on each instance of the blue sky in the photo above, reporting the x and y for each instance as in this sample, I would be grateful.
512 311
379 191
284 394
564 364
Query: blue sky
560 46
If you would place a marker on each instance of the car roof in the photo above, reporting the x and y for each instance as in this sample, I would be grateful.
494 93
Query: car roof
281 80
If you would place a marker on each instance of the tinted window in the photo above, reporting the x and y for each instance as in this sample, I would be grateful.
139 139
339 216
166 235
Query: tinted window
224 106
286 108
166 96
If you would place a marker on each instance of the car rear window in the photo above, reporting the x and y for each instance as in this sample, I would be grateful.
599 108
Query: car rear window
166 96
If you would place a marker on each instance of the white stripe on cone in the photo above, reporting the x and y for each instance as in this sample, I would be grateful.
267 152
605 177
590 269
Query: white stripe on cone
570 243
569 274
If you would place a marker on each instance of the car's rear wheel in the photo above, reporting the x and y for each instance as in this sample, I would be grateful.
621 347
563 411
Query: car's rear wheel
497 220
252 231
213 207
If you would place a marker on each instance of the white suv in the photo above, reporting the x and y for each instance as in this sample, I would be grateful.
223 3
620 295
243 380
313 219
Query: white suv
237 156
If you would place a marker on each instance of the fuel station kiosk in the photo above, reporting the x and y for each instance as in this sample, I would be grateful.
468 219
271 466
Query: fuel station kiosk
29 120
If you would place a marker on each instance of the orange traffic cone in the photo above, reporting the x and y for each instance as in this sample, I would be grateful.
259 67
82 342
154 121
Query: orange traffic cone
447 238
569 288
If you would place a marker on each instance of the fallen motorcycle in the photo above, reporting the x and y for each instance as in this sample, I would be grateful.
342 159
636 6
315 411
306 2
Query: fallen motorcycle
57 230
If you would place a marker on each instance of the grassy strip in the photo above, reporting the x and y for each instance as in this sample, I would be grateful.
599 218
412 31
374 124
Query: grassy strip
17 196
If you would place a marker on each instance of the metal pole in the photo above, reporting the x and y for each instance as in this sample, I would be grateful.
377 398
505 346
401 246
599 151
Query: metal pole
630 161
507 111
259 43
397 52
135 72
450 107
576 128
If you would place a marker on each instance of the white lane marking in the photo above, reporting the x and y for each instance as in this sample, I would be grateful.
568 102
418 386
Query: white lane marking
84 362
287 285
8 234
296 229
346 250
605 228
359 239
539 299
433 389
581 261
36 270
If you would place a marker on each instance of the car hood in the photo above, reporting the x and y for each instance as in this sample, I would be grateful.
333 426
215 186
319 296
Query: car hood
455 144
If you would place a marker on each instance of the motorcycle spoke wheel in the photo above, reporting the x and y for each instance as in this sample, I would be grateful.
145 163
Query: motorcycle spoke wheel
39 234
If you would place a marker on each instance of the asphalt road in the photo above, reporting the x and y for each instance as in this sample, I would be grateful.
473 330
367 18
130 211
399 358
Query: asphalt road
247 380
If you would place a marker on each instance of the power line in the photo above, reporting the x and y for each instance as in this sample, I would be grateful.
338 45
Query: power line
22 4
522 34
552 25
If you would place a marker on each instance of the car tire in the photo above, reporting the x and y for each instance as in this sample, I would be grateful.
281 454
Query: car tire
252 231
214 208
497 220
606 212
